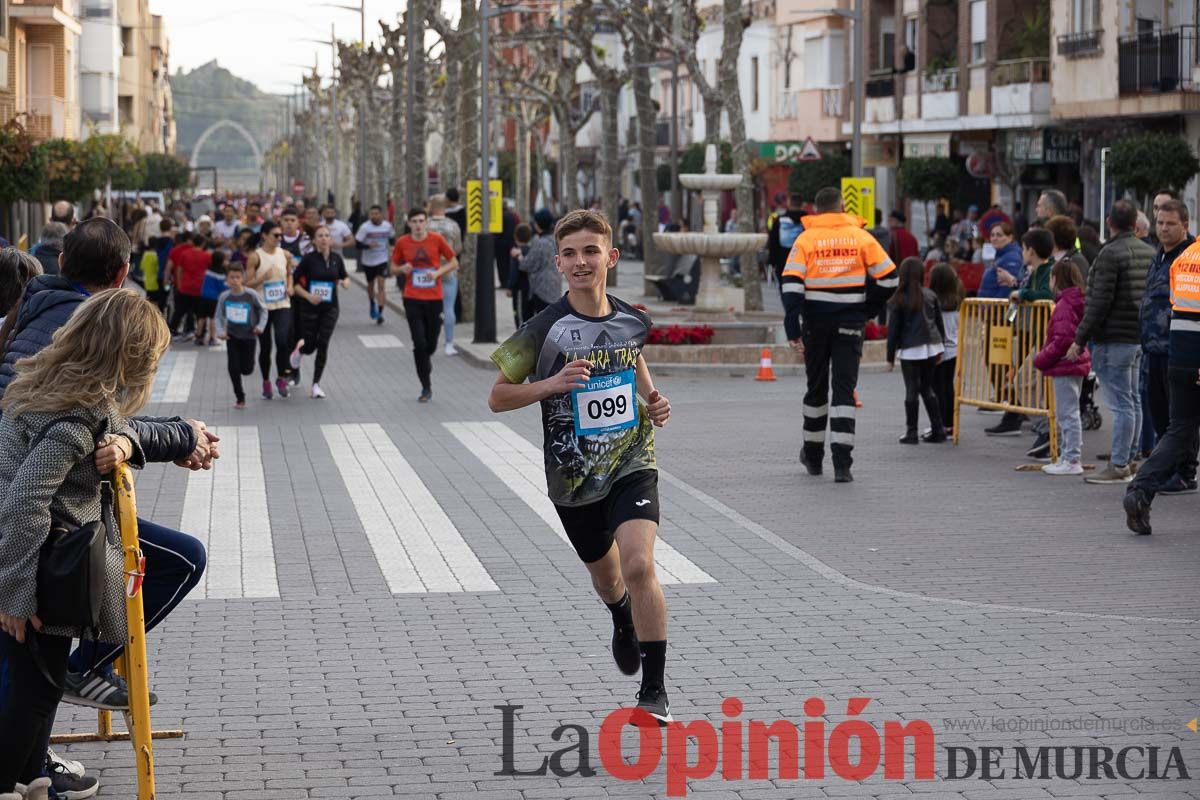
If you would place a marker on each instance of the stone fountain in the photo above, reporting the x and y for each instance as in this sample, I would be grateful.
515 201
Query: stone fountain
713 300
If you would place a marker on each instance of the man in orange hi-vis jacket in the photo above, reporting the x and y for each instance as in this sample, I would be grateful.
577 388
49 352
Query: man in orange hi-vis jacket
836 278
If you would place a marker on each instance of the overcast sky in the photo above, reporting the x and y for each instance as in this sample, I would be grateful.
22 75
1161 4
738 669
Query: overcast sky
263 40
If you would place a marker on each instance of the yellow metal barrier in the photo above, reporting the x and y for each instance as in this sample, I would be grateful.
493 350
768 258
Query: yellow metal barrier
995 361
132 662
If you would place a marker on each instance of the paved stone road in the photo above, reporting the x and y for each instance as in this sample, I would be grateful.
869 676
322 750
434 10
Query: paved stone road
411 581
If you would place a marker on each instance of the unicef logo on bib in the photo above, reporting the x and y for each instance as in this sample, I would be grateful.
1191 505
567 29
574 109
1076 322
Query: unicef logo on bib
607 404
237 313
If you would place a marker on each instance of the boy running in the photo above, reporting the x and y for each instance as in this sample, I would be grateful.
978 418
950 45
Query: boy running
583 357
423 257
240 319
373 236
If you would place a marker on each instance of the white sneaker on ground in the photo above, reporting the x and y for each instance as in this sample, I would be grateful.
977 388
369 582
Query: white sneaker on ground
451 350
68 765
317 393
1063 468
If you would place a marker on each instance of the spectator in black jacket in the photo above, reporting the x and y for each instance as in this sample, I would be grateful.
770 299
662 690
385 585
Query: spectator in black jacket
49 246
1115 286
96 257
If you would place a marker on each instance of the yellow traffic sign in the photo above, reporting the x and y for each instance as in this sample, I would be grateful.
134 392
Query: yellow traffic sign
1192 726
858 197
475 206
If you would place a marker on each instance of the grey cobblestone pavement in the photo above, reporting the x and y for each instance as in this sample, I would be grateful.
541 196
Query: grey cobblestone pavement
1004 608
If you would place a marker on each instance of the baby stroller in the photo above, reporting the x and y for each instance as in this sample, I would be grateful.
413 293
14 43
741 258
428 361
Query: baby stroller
1089 412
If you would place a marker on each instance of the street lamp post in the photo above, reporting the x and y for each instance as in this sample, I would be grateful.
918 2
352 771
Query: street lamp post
485 292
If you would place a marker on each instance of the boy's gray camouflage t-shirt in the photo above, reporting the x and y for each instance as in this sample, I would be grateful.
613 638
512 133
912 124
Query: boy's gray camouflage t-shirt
581 469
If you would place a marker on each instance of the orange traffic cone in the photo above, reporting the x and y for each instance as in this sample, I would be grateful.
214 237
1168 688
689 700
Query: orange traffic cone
766 371
857 402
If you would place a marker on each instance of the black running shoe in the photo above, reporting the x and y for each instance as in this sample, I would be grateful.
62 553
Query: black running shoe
426 396
813 468
842 475
653 700
1009 425
1137 513
1041 448
625 649
1177 484
69 786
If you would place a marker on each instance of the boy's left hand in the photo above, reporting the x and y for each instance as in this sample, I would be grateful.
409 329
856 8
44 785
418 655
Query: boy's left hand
658 408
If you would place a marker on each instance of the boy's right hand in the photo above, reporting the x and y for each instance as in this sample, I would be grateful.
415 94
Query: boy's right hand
573 376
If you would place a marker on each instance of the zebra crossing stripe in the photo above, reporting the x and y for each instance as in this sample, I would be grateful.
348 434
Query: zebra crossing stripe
173 383
226 508
375 341
417 546
518 463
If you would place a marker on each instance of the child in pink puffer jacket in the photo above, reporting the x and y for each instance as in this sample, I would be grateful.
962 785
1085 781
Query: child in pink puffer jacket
1066 281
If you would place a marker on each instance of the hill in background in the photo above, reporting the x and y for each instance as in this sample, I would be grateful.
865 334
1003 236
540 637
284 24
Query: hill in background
210 93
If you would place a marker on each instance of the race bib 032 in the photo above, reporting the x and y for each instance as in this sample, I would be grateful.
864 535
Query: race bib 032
322 290
607 404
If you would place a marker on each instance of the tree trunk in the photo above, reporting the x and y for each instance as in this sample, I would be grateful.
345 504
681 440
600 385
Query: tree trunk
522 145
468 117
610 163
647 174
397 124
731 45
569 158
538 167
449 173
417 174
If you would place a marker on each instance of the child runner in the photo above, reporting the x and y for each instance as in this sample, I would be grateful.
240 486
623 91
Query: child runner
583 357
240 319
373 237
1066 282
423 257
315 292
916 331
267 267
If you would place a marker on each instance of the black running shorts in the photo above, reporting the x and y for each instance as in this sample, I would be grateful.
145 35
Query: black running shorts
590 528
377 271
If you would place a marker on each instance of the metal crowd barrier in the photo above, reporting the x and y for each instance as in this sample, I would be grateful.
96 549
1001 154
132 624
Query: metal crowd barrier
995 361
132 662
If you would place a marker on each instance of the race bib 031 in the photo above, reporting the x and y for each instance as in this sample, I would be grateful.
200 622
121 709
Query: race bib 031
274 291
322 290
607 404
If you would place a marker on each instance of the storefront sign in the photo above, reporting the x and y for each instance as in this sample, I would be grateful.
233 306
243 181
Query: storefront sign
789 152
1060 147
923 145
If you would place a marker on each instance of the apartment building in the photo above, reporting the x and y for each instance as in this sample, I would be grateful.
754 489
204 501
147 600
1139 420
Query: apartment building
1122 66
144 108
40 73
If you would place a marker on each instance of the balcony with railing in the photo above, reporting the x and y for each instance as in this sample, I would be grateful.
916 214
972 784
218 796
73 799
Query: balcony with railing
45 116
1021 86
939 94
880 105
1158 62
1083 44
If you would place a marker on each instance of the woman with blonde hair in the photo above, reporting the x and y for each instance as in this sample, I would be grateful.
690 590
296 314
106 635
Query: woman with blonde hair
75 395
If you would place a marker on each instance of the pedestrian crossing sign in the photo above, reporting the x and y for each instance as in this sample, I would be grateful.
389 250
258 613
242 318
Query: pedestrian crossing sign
475 206
858 197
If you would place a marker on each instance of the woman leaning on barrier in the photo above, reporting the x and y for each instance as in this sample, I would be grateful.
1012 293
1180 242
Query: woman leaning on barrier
72 397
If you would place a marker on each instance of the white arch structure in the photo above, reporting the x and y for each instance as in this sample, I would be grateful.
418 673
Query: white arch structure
227 123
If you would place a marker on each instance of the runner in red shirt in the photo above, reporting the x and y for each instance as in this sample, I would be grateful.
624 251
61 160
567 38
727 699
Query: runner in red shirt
423 258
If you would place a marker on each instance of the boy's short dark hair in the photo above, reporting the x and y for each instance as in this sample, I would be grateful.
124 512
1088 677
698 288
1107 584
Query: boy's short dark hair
235 266
523 233
582 219
376 207
1039 241
416 211
827 200
94 252
290 211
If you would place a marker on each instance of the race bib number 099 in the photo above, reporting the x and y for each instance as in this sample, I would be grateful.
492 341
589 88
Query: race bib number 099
607 404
